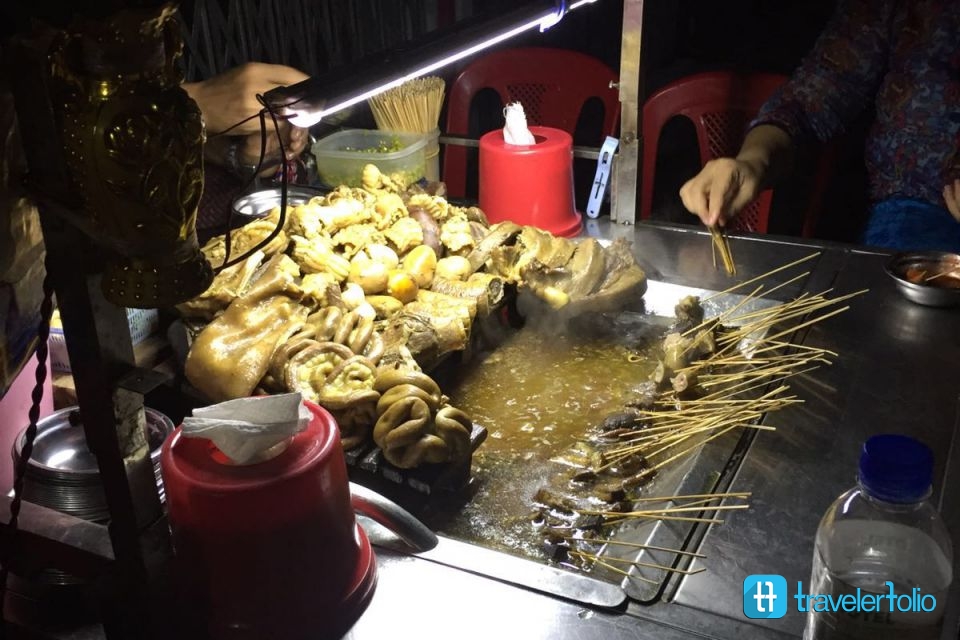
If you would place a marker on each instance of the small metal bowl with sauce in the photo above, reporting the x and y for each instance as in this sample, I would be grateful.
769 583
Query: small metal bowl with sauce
930 278
258 204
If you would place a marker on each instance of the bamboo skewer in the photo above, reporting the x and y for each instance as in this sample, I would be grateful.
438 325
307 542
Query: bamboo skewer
414 106
722 244
668 513
639 563
677 429
760 277
639 545
942 274
617 519
647 513
632 576
725 317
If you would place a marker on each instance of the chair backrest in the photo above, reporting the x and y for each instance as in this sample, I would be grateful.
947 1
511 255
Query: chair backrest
720 104
552 84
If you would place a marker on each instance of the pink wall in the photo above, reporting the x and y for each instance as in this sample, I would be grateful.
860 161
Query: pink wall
13 416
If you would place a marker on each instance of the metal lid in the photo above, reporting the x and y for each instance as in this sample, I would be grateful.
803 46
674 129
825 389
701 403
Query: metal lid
61 445
259 203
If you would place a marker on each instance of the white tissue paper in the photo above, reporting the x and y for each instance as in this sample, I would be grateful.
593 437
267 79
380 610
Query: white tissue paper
515 131
243 429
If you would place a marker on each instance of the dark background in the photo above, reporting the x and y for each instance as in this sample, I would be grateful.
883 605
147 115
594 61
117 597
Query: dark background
689 36
680 37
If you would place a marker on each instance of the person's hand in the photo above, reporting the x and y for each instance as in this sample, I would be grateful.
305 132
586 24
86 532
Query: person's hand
241 153
231 97
228 100
951 196
294 142
721 190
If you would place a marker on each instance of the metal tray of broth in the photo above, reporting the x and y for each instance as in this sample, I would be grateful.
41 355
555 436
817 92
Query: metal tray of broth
488 529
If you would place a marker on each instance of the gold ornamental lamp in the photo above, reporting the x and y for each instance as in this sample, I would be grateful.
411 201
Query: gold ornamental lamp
133 151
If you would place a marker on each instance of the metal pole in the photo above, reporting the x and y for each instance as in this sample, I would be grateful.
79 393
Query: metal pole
624 192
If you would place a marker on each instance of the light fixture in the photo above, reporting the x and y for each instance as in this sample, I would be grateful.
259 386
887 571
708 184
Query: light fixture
308 102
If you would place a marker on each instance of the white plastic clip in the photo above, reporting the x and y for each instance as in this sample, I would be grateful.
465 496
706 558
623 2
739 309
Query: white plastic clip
602 177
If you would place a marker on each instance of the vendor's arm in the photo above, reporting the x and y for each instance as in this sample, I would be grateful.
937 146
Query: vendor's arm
230 98
835 82
726 185
230 108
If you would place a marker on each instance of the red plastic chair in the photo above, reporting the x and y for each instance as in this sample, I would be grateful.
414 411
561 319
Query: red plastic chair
552 84
720 104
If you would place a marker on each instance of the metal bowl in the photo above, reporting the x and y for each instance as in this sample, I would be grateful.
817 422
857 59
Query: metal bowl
911 273
259 203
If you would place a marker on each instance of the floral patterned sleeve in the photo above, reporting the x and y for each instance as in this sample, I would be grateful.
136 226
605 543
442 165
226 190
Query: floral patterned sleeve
839 77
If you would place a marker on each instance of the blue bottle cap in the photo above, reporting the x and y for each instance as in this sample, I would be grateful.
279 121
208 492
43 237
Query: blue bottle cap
896 468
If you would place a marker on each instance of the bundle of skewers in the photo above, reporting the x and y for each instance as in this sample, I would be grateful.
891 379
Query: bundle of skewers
413 107
721 245
586 551
717 377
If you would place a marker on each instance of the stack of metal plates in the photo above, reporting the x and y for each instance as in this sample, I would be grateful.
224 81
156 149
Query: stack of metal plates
62 473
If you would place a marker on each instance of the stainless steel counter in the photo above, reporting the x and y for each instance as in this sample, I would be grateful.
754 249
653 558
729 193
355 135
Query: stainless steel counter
898 370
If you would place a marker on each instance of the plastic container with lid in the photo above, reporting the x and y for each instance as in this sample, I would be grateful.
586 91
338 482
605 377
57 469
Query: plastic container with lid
341 156
882 550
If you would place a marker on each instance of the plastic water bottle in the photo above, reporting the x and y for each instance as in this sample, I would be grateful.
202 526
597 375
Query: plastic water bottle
881 538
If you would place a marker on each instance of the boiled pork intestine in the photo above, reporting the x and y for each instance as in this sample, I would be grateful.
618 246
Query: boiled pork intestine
414 423
349 395
375 180
404 234
349 195
388 209
331 375
341 208
316 255
306 370
456 236
246 238
304 221
352 239
329 333
350 329
438 207
321 290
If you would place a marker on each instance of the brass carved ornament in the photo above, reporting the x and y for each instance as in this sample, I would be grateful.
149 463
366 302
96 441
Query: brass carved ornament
133 142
